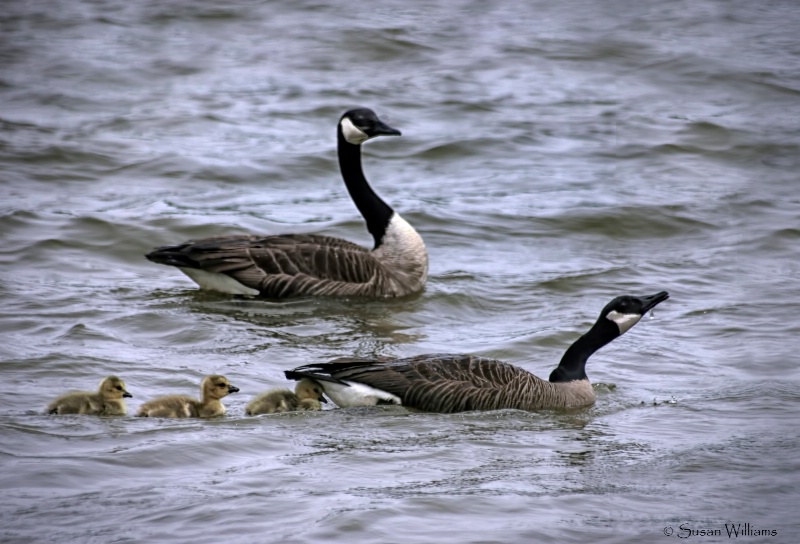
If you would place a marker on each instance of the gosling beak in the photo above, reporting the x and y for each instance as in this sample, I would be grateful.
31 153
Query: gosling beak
322 399
127 395
232 389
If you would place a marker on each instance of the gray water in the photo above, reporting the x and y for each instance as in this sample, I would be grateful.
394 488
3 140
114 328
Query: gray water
554 155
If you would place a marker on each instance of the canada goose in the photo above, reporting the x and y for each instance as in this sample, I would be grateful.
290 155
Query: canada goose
310 264
307 396
213 389
456 383
109 400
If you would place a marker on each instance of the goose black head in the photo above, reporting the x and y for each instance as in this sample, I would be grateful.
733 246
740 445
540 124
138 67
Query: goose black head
616 319
626 311
360 124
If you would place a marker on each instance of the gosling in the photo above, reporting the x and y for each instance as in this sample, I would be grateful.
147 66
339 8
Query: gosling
307 396
108 401
213 389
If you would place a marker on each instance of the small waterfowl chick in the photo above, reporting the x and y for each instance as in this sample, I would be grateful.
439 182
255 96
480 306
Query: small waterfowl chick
307 396
213 388
109 400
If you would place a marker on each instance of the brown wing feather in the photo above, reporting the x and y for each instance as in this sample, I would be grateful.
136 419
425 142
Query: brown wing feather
450 383
284 265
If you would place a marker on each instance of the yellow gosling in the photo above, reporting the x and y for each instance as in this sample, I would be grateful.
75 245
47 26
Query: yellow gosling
307 396
109 400
213 389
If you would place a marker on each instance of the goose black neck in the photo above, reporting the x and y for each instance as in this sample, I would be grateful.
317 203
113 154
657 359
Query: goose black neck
573 364
375 211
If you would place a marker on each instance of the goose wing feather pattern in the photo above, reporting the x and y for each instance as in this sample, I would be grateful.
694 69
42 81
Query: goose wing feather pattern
458 383
289 265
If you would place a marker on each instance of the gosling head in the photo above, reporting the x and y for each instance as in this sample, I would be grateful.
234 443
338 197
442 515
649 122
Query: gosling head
309 389
217 386
626 311
360 124
113 388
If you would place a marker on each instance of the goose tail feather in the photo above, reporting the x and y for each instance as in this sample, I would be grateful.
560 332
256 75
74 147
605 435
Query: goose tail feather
172 256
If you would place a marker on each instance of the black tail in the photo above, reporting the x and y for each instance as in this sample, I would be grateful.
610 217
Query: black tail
295 375
326 371
172 256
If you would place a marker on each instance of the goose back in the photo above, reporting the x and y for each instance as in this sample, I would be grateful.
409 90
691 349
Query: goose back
289 265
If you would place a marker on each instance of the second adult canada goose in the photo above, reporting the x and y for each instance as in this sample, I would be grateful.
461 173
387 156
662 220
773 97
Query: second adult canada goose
309 264
108 400
307 395
214 388
457 383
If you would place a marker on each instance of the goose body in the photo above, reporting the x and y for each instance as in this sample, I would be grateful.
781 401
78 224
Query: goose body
213 388
306 396
290 265
457 383
108 400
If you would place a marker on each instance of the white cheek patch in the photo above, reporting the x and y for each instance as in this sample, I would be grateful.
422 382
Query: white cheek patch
623 321
352 133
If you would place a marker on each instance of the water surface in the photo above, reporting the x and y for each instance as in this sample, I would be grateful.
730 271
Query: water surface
553 156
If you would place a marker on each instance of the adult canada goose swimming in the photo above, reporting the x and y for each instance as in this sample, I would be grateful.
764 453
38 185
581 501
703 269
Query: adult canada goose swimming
109 400
214 388
307 395
310 264
456 383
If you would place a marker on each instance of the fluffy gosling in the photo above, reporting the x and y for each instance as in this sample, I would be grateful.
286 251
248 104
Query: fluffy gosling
213 389
307 396
109 400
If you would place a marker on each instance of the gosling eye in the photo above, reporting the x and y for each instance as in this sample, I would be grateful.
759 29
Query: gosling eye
119 388
221 385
